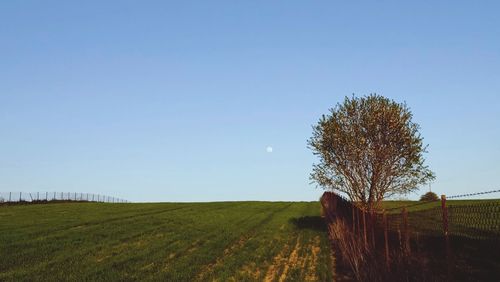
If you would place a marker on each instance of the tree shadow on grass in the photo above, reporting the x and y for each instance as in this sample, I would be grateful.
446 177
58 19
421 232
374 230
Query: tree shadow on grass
316 223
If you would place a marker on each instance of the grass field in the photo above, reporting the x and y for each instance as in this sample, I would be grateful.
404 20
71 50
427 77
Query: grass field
239 241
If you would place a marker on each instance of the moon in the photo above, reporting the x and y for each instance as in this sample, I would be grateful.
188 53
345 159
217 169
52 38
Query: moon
269 149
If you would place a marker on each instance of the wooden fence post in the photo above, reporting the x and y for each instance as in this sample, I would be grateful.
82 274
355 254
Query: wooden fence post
358 221
364 228
444 210
388 264
373 222
445 215
353 219
406 232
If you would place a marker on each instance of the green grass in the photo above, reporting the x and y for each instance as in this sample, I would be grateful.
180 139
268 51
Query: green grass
239 241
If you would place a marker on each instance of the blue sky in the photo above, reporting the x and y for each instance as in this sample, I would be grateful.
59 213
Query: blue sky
177 101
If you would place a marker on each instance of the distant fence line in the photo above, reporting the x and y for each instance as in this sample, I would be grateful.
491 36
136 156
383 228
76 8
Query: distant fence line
41 197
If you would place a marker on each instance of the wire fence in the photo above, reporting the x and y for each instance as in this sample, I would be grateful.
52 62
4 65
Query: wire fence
45 197
479 219
411 241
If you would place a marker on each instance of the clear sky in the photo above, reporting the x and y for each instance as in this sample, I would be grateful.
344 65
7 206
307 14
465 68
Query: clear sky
179 101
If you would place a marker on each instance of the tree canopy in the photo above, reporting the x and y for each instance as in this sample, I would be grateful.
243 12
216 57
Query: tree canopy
429 197
368 149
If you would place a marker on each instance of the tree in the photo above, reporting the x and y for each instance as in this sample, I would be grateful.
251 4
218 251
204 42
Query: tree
429 197
369 149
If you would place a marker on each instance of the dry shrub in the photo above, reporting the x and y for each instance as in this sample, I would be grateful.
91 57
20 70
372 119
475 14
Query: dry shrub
353 251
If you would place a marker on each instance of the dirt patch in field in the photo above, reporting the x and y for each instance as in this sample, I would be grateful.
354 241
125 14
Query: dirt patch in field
314 251
77 227
301 257
250 270
148 266
192 247
219 261
293 260
275 266
120 248
100 258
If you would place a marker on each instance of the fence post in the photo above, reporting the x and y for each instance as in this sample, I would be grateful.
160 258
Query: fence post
417 237
373 219
353 219
37 196
10 196
364 228
444 210
358 221
445 215
387 262
406 233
